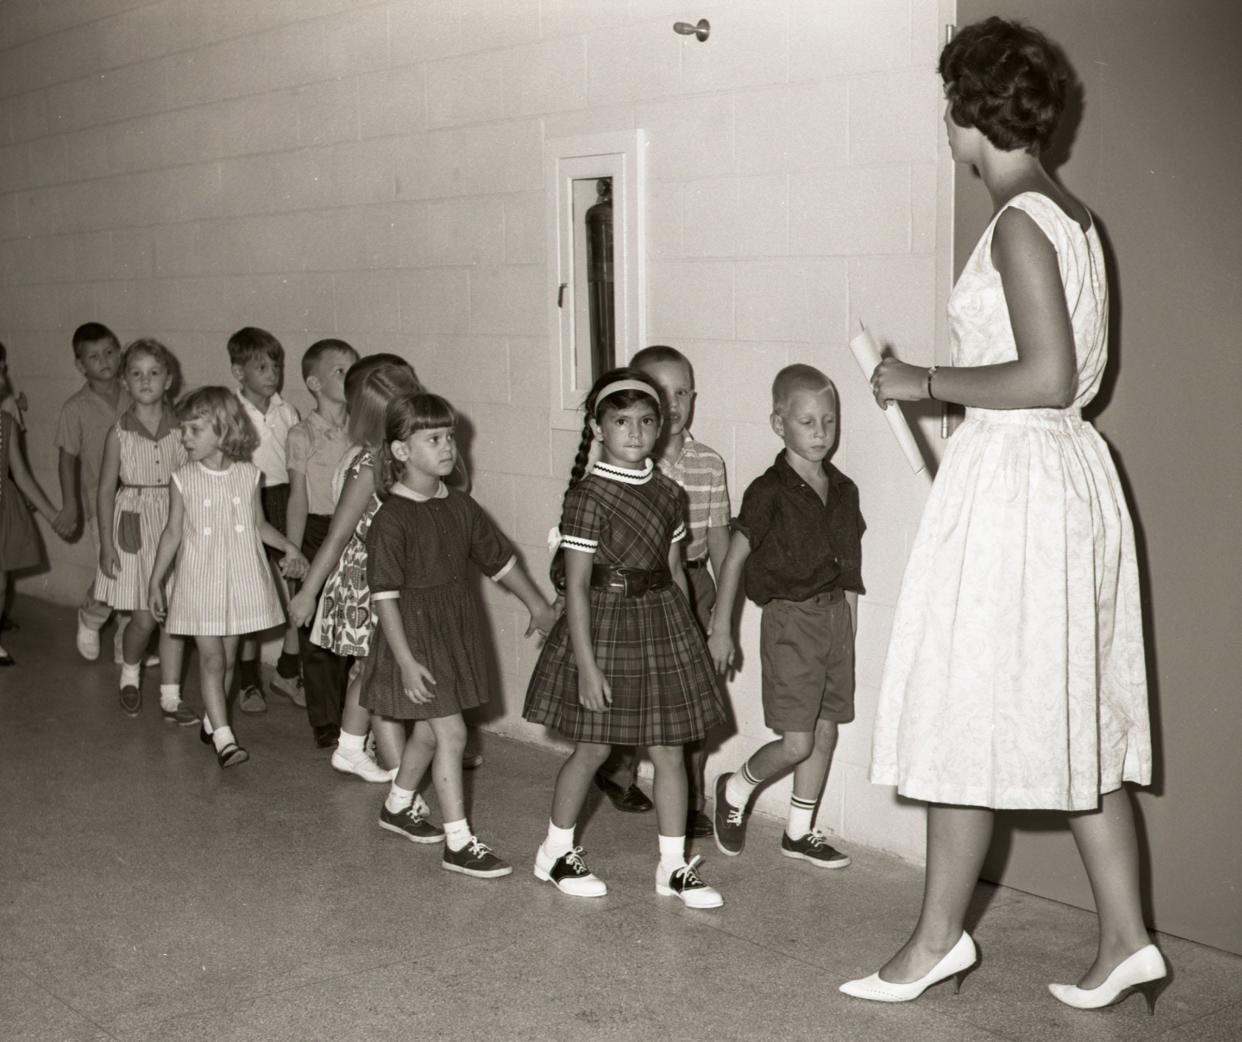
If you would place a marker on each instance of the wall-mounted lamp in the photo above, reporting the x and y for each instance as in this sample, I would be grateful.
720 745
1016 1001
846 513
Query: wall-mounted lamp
702 30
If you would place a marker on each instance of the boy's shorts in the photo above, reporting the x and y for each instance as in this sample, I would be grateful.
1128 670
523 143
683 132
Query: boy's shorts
806 650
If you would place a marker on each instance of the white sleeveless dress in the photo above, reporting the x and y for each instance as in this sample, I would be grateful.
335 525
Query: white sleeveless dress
1015 675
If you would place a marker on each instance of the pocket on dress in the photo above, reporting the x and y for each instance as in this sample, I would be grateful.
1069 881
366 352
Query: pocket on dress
129 532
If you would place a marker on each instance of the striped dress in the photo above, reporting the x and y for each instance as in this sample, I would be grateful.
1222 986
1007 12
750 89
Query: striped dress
223 585
141 511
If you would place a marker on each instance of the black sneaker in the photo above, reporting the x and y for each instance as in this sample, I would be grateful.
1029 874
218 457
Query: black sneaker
813 847
131 699
728 822
410 824
569 874
475 859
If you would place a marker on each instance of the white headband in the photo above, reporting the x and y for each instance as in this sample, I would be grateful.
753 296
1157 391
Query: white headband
627 385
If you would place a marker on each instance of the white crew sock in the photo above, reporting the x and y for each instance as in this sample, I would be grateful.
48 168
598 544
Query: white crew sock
558 841
741 786
457 834
222 737
170 696
207 728
351 743
131 676
801 814
398 799
672 854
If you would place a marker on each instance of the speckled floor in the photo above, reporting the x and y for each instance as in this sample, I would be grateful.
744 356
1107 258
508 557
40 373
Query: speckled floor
149 895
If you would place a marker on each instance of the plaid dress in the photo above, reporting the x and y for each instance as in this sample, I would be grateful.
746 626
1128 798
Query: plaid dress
649 648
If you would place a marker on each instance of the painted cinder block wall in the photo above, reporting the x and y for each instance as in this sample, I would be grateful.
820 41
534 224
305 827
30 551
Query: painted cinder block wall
374 171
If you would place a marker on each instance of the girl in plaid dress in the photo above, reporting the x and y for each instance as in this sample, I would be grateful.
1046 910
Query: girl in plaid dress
140 454
627 664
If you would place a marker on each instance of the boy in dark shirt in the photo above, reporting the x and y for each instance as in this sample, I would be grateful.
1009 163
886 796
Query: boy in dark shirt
798 543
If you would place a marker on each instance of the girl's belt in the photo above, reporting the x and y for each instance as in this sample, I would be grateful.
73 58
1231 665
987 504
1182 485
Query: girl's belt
629 582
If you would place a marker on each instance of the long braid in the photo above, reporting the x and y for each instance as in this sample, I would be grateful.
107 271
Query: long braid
576 474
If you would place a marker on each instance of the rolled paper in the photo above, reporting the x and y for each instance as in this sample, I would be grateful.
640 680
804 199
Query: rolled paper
867 355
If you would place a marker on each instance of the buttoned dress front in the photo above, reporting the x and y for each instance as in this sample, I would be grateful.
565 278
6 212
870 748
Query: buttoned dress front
223 585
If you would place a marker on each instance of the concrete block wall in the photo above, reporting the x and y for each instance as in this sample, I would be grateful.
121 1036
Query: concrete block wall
374 170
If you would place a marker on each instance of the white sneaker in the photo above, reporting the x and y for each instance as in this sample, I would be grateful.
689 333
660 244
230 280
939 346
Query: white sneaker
88 642
349 761
686 884
569 873
291 688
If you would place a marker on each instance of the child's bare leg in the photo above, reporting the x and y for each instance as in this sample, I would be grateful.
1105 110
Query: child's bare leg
573 780
172 655
136 635
696 764
809 775
215 668
419 751
450 732
389 740
670 789
355 719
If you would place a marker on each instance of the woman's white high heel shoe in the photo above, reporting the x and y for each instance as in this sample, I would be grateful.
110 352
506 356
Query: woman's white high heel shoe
960 958
1143 971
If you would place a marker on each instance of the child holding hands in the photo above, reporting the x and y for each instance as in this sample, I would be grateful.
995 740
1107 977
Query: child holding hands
223 586
428 663
141 452
797 541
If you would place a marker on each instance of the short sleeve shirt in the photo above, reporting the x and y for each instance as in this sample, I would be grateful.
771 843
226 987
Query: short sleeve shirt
625 518
416 542
83 427
315 449
273 427
800 546
700 472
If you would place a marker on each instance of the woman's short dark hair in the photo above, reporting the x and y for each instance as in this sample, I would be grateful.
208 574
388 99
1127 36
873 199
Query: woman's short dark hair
1007 80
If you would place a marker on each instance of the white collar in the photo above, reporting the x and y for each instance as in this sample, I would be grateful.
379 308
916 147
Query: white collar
623 474
405 492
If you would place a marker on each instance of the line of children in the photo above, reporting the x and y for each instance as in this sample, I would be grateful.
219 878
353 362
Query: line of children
257 362
222 588
429 660
141 452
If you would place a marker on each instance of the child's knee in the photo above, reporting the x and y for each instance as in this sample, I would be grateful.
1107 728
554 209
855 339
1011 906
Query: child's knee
592 753
825 734
796 746
667 757
450 732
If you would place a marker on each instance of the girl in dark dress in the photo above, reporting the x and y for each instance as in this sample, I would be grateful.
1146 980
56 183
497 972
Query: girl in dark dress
427 658
627 665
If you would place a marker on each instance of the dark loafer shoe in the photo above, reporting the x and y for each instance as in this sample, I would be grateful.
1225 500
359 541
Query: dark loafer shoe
632 800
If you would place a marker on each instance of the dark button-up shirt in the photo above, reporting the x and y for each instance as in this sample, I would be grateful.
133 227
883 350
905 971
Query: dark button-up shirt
800 545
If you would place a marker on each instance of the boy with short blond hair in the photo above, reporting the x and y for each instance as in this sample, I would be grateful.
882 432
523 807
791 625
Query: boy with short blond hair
85 419
797 541
257 362
700 471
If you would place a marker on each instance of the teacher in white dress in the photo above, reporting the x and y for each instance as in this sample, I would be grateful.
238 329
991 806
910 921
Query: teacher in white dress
1015 676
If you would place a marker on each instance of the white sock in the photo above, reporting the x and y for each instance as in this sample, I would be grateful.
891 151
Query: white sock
398 799
457 834
170 696
558 842
421 808
131 676
351 742
801 814
741 786
672 854
221 737
207 728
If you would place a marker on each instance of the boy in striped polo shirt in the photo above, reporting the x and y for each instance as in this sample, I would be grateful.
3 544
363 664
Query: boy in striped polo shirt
700 471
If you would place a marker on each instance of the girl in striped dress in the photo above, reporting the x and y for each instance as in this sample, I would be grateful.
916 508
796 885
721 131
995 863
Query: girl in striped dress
139 457
223 587
626 664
